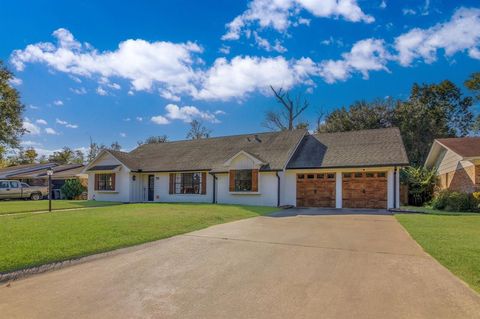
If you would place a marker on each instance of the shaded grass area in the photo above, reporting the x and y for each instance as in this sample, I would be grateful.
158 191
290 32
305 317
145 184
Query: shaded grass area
453 240
36 239
23 206
430 210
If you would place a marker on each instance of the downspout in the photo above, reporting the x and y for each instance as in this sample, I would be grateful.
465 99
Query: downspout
395 187
278 189
214 197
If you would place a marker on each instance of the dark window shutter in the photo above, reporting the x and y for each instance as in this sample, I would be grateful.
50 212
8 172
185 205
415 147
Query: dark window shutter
204 183
171 184
113 181
254 180
96 182
231 183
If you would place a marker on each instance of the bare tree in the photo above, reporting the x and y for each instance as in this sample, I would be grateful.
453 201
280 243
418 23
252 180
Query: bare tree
197 131
154 140
285 118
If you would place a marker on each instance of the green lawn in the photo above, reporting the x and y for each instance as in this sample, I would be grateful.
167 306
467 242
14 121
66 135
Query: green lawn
453 240
34 239
430 210
21 206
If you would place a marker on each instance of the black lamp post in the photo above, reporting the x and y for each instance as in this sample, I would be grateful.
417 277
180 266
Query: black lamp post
49 173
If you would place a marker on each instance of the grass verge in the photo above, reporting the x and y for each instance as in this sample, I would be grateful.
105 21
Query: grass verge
453 240
36 239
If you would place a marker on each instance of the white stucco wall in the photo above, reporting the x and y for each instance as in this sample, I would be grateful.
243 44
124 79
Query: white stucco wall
122 182
266 195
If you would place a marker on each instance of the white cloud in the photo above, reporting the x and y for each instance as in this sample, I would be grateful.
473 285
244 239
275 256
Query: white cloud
79 91
383 4
58 102
278 14
409 12
123 135
461 33
51 131
30 143
188 113
130 92
160 120
31 128
267 46
41 122
101 91
114 86
33 107
15 81
139 119
127 119
365 56
65 123
244 75
145 64
225 49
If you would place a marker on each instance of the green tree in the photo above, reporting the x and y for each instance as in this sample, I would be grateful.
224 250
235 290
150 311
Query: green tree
360 115
115 146
72 188
31 155
198 131
473 84
421 184
11 110
65 156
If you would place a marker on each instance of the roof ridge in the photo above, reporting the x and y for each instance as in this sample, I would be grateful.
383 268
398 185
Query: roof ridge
358 131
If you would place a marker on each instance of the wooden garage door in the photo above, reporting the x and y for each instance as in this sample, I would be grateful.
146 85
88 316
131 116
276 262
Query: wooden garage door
316 190
364 190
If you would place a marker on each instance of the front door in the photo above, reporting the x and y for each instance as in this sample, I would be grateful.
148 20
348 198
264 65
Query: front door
151 187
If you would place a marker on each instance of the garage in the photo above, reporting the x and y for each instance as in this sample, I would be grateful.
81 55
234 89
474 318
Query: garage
364 190
316 190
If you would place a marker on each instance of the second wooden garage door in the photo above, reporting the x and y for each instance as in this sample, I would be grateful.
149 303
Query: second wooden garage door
316 190
364 190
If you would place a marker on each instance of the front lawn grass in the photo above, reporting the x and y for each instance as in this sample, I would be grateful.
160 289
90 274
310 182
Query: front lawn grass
430 210
453 240
24 206
35 239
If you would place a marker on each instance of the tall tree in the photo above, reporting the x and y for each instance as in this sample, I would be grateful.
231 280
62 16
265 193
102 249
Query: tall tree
198 131
65 156
93 150
291 108
11 110
359 116
154 140
31 155
473 84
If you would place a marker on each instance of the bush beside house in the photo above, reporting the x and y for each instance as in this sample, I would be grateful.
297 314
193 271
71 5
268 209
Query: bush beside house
456 201
72 189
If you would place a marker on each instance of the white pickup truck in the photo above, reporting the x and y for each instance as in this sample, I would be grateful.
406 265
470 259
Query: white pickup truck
16 189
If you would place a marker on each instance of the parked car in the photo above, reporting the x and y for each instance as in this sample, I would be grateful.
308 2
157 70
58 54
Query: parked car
16 189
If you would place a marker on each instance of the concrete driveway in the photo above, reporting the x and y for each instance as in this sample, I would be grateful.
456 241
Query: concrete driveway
302 265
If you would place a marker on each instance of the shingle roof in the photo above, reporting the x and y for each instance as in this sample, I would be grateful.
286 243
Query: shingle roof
463 146
274 148
379 147
64 171
103 167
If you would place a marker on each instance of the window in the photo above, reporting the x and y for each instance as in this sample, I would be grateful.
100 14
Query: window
370 175
310 176
14 184
358 175
382 174
300 176
105 182
347 175
4 184
320 176
188 183
243 180
25 185
330 176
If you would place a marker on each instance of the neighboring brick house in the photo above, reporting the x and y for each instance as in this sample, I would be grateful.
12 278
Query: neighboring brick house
457 161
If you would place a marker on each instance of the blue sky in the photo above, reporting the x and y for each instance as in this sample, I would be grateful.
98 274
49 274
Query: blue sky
118 71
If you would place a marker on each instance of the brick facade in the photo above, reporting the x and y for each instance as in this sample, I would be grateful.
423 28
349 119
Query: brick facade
466 179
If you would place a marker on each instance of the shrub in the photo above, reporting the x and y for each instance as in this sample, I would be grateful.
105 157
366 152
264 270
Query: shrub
421 184
72 188
456 201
